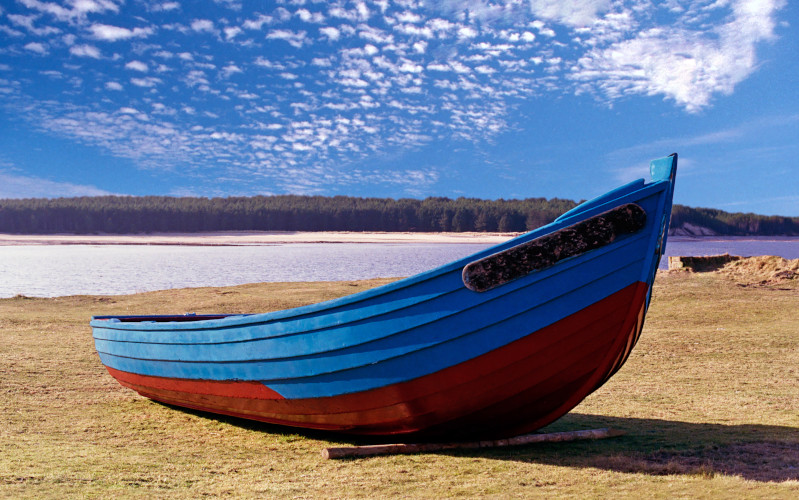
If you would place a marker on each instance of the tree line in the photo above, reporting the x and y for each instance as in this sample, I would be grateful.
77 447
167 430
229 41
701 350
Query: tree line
735 224
152 214
148 214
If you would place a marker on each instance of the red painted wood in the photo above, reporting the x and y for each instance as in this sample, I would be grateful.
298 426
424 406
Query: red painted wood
517 388
227 388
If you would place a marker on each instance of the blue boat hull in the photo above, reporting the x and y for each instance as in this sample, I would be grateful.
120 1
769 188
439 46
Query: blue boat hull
427 355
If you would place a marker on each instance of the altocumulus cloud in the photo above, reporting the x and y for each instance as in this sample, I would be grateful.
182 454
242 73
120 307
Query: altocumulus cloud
299 95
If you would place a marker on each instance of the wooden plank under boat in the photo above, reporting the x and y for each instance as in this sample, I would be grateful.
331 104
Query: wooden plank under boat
493 345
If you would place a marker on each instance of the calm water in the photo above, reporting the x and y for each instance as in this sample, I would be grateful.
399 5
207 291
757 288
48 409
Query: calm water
48 271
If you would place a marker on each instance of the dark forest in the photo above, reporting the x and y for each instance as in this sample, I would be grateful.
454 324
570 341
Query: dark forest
154 214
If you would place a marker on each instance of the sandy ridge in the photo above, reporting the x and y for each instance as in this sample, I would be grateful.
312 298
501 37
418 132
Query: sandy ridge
235 238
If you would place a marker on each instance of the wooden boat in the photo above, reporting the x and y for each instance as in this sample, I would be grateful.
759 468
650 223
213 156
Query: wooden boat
493 345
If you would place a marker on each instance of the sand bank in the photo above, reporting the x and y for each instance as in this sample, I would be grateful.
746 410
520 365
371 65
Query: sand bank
233 238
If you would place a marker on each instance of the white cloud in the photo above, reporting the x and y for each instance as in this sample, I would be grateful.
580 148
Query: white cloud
310 17
681 64
409 17
77 9
570 12
410 67
196 78
438 67
230 4
363 11
304 15
375 35
85 51
257 23
148 82
37 47
113 86
413 30
266 63
137 66
232 32
459 67
11 32
441 25
27 23
282 14
203 26
231 69
543 29
22 186
294 38
467 32
113 33
123 134
322 62
547 32
353 82
331 33
165 6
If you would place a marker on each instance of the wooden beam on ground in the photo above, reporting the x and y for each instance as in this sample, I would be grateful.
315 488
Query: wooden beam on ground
404 449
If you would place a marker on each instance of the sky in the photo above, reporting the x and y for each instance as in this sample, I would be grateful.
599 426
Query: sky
475 98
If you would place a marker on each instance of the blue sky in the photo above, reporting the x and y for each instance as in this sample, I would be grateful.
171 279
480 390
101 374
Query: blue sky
488 99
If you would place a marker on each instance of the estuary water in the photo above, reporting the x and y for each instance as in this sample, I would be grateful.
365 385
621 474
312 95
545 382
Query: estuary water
58 270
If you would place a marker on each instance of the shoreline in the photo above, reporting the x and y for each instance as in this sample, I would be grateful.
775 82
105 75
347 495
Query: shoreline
250 238
241 238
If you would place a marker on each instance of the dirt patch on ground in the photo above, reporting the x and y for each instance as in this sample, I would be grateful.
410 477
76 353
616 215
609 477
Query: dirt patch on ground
762 270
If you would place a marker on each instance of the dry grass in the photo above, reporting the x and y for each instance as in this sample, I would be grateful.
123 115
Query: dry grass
709 400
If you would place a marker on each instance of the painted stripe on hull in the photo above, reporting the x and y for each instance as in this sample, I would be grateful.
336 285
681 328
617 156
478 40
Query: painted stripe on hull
516 388
227 388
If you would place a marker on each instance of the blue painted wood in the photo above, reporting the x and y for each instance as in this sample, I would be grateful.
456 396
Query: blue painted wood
401 331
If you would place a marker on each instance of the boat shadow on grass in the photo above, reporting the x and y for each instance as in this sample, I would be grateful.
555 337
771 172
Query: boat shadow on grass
763 453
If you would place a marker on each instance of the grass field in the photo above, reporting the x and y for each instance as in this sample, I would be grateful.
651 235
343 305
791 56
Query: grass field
709 400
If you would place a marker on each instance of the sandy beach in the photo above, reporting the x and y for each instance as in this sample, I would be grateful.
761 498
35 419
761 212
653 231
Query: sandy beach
234 238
